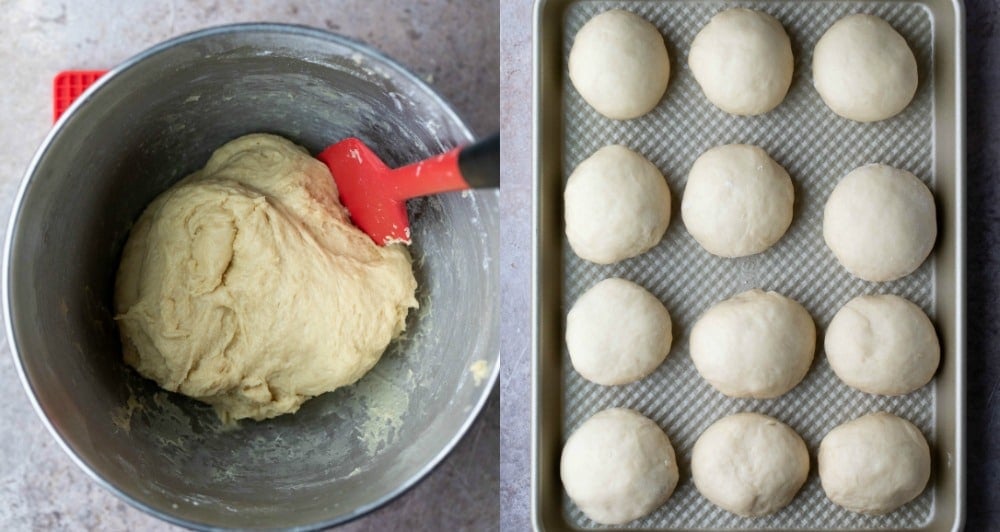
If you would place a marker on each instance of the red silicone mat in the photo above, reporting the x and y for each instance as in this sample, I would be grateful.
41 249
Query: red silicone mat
68 85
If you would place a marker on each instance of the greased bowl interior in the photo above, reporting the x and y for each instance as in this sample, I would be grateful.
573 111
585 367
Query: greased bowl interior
149 123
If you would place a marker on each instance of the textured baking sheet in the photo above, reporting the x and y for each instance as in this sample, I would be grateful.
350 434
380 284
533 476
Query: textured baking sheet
817 148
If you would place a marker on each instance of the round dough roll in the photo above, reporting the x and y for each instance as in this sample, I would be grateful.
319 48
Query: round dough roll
749 464
618 466
880 222
617 205
742 59
755 344
863 69
882 344
619 64
617 333
874 464
737 201
246 286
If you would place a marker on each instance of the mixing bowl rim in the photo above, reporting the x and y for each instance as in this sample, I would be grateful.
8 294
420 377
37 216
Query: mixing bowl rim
370 53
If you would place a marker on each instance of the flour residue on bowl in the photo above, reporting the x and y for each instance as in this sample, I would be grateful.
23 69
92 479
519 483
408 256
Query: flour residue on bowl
380 405
121 416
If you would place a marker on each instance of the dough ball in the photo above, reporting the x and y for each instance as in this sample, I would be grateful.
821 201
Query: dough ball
882 344
619 64
749 464
880 222
743 61
874 464
618 466
246 286
863 69
738 201
617 205
617 333
755 344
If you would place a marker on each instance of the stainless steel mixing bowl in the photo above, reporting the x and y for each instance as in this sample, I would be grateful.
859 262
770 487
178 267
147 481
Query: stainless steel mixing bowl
148 123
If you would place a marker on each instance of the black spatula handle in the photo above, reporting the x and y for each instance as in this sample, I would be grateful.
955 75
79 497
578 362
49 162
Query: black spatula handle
480 163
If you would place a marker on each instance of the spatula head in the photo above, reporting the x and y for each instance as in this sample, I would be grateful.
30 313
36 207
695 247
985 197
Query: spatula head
365 190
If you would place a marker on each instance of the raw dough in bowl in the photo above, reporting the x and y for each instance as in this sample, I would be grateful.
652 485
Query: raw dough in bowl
246 286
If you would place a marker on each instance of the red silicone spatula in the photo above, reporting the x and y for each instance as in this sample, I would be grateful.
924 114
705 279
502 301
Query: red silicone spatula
376 195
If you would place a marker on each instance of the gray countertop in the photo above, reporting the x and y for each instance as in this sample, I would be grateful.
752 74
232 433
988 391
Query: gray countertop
453 45
983 310
515 273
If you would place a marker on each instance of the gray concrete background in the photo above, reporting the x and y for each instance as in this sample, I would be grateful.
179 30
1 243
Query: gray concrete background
983 310
452 44
515 254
